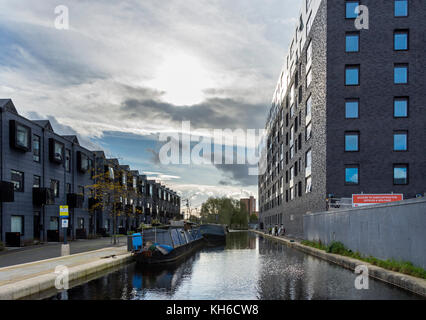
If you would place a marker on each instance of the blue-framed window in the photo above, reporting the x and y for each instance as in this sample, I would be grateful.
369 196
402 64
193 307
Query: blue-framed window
351 141
401 73
351 109
350 9
400 107
352 42
401 8
352 75
352 175
400 40
400 174
400 141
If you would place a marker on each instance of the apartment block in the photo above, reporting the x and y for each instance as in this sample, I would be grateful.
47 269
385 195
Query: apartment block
348 113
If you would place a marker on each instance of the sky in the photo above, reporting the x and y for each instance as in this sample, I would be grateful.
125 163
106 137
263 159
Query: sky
125 72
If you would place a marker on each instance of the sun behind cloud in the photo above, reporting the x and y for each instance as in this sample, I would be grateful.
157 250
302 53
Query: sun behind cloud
183 78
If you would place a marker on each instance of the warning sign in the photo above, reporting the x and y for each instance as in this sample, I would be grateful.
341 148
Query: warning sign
359 200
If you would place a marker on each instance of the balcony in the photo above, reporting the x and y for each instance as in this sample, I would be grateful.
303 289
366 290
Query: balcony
43 196
7 192
75 200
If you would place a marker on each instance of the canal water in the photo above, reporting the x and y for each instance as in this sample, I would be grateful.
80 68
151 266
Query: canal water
248 267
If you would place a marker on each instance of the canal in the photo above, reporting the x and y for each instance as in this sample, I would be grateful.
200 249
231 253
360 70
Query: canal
248 267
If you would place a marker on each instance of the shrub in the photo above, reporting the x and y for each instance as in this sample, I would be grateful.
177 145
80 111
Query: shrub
405 267
337 248
1 246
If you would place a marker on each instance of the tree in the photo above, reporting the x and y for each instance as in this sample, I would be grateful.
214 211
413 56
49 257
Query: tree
225 211
111 195
253 218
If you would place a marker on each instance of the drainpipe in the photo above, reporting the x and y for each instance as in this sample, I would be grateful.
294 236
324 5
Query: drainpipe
1 172
43 183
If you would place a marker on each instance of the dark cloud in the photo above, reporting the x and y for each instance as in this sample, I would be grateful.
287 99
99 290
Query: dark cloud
237 174
212 113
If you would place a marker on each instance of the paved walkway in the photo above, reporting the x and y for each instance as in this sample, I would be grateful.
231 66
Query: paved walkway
12 257
25 271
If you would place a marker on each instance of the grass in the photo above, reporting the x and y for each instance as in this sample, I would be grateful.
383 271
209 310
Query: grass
405 267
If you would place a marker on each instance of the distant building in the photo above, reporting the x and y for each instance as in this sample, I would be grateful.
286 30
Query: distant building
250 204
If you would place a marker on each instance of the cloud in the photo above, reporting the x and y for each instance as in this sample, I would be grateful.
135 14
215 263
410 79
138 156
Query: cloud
213 113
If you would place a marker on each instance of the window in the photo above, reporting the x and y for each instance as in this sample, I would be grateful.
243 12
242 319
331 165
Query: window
17 178
56 150
68 187
111 173
67 160
308 78
299 189
400 174
54 185
54 223
401 8
80 223
20 136
82 162
134 183
352 141
401 74
400 141
36 181
400 107
308 131
352 42
308 185
352 109
352 75
17 224
309 55
309 24
352 175
36 148
350 9
308 163
400 40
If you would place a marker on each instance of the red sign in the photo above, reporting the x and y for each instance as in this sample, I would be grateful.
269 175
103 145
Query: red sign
359 200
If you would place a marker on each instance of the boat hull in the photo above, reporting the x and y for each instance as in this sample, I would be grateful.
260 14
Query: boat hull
174 256
213 234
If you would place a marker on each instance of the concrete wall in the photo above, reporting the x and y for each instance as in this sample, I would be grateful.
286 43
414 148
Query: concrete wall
384 231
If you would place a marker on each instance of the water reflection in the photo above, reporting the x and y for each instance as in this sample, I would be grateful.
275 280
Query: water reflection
248 267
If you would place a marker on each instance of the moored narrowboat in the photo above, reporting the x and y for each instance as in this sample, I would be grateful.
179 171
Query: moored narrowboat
214 234
167 245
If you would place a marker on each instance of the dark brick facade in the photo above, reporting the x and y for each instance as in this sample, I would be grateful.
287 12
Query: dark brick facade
376 123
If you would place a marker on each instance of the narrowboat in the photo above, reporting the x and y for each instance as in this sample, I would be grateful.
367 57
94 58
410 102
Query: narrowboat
167 245
214 234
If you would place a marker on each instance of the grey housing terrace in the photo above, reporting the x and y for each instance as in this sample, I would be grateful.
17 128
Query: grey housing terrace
348 112
41 170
